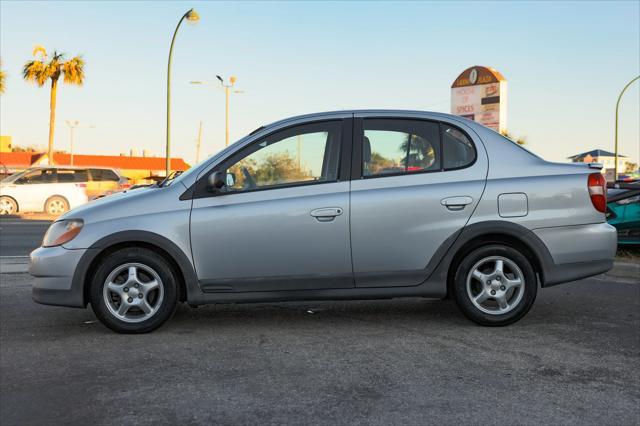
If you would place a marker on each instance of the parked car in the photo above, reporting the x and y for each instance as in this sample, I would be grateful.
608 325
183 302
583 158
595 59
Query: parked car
623 212
55 190
343 205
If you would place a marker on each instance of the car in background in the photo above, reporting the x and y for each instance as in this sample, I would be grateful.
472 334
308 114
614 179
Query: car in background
56 190
623 212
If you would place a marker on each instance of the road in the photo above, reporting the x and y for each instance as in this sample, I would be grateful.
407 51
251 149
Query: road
574 359
18 237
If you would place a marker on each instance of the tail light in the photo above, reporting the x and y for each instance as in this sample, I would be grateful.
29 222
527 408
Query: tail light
598 191
81 185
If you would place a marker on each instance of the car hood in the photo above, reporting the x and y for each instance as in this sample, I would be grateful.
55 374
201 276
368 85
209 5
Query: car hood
135 202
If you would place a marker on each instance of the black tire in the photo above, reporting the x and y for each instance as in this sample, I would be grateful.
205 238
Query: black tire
463 298
149 259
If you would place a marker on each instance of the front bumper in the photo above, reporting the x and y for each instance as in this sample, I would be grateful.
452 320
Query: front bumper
53 269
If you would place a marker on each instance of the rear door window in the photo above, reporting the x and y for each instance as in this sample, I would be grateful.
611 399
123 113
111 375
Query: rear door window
72 175
392 146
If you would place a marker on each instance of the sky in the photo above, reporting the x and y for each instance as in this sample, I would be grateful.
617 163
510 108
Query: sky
565 63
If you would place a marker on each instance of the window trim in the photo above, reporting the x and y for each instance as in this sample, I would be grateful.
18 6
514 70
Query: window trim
198 189
358 140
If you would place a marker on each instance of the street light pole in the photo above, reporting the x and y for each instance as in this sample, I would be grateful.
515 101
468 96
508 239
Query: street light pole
227 93
72 127
615 173
227 88
191 16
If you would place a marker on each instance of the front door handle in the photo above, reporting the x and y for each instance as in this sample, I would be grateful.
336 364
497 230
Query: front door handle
456 203
326 214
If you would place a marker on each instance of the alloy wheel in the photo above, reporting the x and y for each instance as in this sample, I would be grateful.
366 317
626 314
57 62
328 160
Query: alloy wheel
133 292
495 285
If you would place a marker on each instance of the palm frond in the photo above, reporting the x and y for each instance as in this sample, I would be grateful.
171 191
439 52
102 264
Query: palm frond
73 70
39 49
37 72
2 77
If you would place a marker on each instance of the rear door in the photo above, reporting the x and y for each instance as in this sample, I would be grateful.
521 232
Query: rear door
415 183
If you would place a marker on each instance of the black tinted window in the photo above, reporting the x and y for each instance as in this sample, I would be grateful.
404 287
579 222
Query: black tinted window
72 175
38 176
458 149
104 175
400 146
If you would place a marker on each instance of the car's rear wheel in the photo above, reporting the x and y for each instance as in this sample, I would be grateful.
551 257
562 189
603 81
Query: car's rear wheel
495 285
134 291
56 205
8 205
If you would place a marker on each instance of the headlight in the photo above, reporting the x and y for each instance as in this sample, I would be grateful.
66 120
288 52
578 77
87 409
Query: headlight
62 232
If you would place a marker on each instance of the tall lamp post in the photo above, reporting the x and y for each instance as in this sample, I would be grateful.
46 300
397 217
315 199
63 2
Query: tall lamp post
193 17
227 91
615 173
72 127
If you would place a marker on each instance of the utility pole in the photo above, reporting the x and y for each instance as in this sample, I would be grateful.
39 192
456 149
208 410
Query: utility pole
198 143
615 173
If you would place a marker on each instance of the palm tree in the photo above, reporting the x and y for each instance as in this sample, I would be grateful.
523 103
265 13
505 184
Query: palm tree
41 69
2 77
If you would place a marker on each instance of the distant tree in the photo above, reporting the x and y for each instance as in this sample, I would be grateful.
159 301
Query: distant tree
41 69
520 141
31 148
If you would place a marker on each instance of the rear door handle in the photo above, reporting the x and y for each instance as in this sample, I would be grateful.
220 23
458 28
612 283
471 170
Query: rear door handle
456 203
326 214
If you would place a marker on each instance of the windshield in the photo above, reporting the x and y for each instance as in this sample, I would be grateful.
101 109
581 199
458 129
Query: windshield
15 176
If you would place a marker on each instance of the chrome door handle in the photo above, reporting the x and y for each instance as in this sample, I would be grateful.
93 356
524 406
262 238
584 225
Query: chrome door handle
456 203
326 214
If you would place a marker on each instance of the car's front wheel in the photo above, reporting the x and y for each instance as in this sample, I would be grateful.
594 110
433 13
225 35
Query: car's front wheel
134 291
8 205
495 285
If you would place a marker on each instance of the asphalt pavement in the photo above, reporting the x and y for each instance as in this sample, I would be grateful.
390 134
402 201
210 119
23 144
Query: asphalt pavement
574 359
18 237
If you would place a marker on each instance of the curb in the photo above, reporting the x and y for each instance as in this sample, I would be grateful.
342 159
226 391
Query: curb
14 264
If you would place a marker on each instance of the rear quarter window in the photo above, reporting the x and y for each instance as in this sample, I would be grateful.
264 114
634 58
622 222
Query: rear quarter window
459 151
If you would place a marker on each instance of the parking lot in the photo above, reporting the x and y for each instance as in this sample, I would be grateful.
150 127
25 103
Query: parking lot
574 359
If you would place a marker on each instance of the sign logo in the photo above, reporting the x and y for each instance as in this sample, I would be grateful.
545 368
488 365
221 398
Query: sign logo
473 76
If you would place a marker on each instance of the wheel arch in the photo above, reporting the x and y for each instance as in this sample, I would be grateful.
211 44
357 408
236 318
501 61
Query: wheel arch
176 258
497 232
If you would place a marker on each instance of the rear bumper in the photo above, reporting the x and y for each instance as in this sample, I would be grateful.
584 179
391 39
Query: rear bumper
53 269
577 251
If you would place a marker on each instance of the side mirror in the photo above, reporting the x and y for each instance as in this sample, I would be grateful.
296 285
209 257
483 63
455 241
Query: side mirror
216 181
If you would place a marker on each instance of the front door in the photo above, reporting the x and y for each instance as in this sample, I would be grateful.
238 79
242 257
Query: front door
282 221
417 183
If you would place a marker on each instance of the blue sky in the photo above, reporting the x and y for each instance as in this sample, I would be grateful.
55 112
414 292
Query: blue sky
565 62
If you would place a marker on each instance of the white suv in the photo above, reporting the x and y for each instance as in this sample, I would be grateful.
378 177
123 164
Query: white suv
54 190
